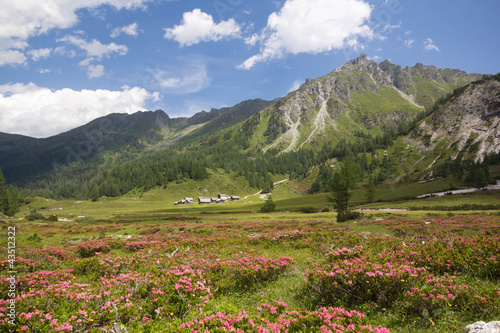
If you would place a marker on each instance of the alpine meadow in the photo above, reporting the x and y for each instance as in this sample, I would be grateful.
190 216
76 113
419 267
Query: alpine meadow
364 199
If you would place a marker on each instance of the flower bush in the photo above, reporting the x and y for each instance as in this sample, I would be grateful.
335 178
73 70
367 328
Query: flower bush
428 271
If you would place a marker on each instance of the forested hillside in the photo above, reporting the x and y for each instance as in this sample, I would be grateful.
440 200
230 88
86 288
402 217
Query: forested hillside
363 109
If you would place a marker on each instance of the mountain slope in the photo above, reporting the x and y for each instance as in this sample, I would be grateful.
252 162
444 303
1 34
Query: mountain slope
359 97
113 139
113 133
467 124
14 141
360 106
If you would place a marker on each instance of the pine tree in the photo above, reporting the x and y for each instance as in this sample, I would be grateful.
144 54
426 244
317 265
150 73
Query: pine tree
2 182
2 192
269 206
315 187
11 201
370 191
344 180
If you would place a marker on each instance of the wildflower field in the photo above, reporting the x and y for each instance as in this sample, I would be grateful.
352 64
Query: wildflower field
392 274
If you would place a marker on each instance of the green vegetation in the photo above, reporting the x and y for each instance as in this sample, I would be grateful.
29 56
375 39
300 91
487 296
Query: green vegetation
180 266
344 180
9 198
269 206
370 191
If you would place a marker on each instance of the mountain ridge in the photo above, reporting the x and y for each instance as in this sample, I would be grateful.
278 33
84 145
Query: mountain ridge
114 133
360 94
361 105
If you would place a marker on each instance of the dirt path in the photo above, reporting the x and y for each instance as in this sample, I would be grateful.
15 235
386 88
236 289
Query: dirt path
265 195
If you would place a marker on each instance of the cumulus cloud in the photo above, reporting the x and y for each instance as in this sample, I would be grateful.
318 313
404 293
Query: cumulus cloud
429 45
12 51
24 19
40 53
40 112
95 71
27 18
94 51
312 26
11 57
197 27
131 30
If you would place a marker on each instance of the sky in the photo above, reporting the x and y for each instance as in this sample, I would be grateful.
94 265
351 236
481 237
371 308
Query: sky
64 63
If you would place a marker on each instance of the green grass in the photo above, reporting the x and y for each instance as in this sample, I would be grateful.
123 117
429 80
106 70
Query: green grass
258 139
386 100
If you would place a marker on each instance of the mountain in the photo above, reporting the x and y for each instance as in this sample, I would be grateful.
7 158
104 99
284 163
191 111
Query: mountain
112 139
14 141
113 133
205 123
383 109
359 98
465 125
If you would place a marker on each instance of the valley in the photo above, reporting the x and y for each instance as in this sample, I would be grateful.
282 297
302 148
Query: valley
100 244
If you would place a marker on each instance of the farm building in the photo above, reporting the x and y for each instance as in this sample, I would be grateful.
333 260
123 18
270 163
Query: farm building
219 199
223 197
204 200
185 201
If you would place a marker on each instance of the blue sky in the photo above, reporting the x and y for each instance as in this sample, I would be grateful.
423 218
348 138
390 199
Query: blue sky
64 63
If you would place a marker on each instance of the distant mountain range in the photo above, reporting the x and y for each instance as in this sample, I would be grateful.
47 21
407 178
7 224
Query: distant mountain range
357 101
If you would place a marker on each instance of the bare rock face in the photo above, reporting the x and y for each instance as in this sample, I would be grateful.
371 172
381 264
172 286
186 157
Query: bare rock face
357 96
482 327
469 121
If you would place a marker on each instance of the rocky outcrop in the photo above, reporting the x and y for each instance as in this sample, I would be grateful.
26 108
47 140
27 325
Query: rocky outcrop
469 121
482 327
357 96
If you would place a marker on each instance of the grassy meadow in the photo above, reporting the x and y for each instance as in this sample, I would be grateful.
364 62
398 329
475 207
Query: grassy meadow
141 264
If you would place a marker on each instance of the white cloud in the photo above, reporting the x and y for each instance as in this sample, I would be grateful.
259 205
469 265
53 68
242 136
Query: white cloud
12 51
27 18
95 51
295 85
197 27
95 71
40 112
389 28
131 30
95 48
11 57
429 45
312 26
252 40
375 58
408 43
185 79
40 53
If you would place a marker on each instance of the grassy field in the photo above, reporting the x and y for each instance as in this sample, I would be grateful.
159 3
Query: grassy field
145 264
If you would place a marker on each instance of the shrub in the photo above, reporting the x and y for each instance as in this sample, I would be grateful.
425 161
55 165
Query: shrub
309 210
35 238
34 215
90 248
348 215
269 206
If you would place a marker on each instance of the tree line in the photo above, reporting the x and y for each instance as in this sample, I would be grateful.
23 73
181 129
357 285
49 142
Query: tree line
10 198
